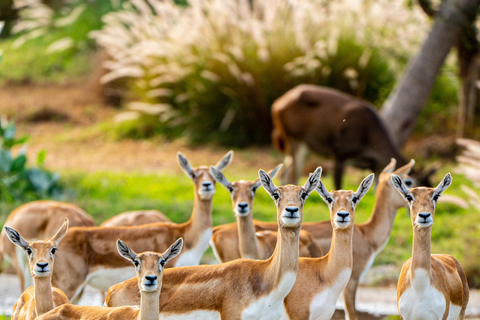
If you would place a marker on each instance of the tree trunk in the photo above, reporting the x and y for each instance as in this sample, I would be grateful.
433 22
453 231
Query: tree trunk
410 95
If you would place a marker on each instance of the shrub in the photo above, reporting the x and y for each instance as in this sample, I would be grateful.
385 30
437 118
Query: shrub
17 181
213 68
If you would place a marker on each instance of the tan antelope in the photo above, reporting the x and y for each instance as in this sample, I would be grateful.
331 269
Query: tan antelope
42 297
239 289
89 254
243 239
135 218
330 123
430 286
369 238
44 219
149 268
320 281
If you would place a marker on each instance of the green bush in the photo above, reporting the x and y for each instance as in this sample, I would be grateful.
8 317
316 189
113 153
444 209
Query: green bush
17 181
212 69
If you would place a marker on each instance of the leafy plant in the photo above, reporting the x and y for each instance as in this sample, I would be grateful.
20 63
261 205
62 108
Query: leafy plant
18 182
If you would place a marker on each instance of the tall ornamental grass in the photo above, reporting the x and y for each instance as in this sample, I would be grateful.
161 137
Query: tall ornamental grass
213 68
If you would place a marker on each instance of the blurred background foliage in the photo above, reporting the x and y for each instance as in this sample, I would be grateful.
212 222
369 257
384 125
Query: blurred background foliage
210 70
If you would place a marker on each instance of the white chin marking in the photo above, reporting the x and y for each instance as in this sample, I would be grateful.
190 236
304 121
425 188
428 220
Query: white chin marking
290 222
423 224
149 288
342 225
206 195
41 274
241 214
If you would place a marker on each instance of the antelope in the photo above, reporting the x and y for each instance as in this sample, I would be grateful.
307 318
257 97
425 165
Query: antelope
430 286
239 289
90 253
40 298
243 239
135 218
149 269
320 281
330 123
369 238
44 218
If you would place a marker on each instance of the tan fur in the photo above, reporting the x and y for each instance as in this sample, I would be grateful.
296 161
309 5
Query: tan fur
149 266
40 298
368 237
87 250
231 287
244 239
332 124
445 273
37 220
135 218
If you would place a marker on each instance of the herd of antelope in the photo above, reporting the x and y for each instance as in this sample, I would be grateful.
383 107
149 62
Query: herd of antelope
267 270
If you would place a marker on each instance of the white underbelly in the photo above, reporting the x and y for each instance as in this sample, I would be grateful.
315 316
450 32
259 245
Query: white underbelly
194 315
102 279
193 256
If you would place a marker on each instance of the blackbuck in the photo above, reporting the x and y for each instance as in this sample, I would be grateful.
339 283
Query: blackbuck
244 239
42 297
369 238
149 269
37 220
431 286
239 289
135 218
320 281
89 254
332 124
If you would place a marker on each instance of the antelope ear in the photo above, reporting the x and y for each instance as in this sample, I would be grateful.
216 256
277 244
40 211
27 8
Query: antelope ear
390 167
400 186
60 233
313 181
272 173
402 171
444 184
16 238
267 183
183 162
125 251
364 187
173 251
225 161
323 192
220 178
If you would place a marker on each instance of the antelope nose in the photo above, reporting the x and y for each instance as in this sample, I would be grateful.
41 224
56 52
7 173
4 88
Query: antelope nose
291 210
206 184
243 205
151 278
343 214
424 215
42 265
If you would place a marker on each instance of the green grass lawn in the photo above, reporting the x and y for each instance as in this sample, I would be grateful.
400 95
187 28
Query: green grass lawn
105 194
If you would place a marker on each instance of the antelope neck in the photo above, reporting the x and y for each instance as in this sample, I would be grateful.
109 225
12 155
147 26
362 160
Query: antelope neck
285 257
340 255
200 220
43 295
149 305
247 239
379 226
421 249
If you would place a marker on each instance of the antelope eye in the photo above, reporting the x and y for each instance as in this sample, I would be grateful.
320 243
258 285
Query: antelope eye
276 196
355 199
435 197
162 263
54 250
409 197
136 263
304 195
29 251
330 200
408 183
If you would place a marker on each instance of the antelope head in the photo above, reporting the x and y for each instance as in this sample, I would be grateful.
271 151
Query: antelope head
421 200
342 203
242 192
149 265
290 199
204 183
384 181
41 254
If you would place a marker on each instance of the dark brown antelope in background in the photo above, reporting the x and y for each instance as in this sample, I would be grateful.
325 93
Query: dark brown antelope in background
332 124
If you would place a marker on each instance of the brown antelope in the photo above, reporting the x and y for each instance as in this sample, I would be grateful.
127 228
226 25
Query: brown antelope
330 123
239 289
44 218
89 254
242 239
135 218
320 281
149 268
40 298
430 286
369 238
